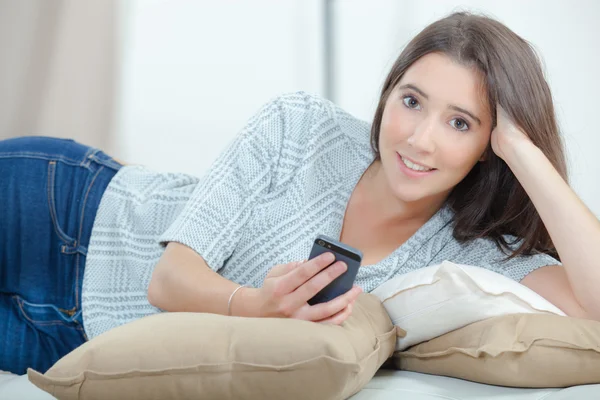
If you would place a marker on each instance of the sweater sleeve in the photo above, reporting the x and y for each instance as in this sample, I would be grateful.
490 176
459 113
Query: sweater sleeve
485 253
211 221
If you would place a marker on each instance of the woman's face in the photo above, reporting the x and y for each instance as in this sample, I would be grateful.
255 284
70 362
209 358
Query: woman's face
435 127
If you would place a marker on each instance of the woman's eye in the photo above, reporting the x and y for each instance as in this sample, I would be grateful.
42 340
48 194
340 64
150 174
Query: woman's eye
411 102
459 124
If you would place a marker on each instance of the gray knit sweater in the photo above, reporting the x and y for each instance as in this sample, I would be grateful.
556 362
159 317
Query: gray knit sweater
285 178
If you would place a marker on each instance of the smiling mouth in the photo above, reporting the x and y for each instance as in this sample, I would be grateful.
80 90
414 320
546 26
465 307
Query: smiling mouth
415 166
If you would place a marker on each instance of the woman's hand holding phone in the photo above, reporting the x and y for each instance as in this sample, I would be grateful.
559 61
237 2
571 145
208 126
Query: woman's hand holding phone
288 287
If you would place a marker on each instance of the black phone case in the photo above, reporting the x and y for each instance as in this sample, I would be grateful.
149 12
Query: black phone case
351 256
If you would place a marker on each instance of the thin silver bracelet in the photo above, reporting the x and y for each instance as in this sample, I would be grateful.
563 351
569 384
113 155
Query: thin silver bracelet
231 297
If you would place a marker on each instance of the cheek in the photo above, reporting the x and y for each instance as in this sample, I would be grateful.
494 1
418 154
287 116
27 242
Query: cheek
396 126
461 155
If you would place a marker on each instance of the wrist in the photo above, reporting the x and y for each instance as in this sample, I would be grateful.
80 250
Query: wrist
246 303
516 150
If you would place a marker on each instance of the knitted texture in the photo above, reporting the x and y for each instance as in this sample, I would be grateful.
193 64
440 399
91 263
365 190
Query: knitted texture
286 177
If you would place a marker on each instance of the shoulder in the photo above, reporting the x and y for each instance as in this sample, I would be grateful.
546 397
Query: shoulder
303 103
297 105
305 113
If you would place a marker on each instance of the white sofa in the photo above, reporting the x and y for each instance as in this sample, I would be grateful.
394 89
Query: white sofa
386 385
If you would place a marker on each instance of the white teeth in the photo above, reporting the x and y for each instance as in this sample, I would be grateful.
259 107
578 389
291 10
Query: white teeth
415 167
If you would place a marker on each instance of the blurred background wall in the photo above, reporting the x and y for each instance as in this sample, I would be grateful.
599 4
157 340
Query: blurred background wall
59 69
168 83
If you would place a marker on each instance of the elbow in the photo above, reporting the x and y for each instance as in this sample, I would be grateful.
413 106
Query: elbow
155 293
582 310
591 312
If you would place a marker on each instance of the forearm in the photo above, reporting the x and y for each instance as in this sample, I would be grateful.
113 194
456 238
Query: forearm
574 229
182 281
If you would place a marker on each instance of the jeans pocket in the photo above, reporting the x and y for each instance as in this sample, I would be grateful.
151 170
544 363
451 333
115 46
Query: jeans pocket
68 240
47 314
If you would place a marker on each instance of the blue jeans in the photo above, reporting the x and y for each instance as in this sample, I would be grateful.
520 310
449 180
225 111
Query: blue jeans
50 190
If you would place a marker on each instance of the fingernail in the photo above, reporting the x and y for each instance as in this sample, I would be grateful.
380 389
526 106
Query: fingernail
328 257
341 266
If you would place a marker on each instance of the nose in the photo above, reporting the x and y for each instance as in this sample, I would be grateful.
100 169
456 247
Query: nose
422 138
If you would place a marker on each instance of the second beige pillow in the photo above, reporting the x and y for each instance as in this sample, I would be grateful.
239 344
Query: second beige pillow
521 350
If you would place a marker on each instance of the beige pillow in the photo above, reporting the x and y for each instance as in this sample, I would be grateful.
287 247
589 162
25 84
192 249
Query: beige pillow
522 350
208 356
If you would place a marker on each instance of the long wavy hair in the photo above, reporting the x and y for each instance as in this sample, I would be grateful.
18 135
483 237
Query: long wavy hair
490 202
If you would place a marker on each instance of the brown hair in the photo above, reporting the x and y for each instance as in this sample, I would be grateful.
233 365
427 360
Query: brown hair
490 202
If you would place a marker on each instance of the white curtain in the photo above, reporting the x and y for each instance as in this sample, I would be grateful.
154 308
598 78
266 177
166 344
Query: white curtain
58 69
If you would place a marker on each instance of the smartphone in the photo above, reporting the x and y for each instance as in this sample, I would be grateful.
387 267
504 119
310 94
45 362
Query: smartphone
342 252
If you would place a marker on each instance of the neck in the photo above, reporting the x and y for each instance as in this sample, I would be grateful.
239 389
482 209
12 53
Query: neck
386 208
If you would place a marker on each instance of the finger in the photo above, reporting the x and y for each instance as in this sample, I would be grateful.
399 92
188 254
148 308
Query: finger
359 289
315 284
282 269
326 310
340 317
306 271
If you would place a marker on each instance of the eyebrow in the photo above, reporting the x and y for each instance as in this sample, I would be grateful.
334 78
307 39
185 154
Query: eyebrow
452 107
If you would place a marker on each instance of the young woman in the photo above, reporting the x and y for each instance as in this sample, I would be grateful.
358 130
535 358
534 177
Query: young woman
463 162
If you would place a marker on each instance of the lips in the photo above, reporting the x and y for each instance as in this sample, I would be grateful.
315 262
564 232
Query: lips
410 173
416 162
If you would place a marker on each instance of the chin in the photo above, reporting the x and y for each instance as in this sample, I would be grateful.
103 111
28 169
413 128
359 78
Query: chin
409 194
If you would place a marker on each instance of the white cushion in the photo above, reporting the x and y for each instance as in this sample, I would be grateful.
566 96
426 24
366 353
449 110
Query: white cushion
400 385
19 387
434 300
386 385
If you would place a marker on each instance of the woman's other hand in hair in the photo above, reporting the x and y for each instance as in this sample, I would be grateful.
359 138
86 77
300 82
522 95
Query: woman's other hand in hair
506 135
